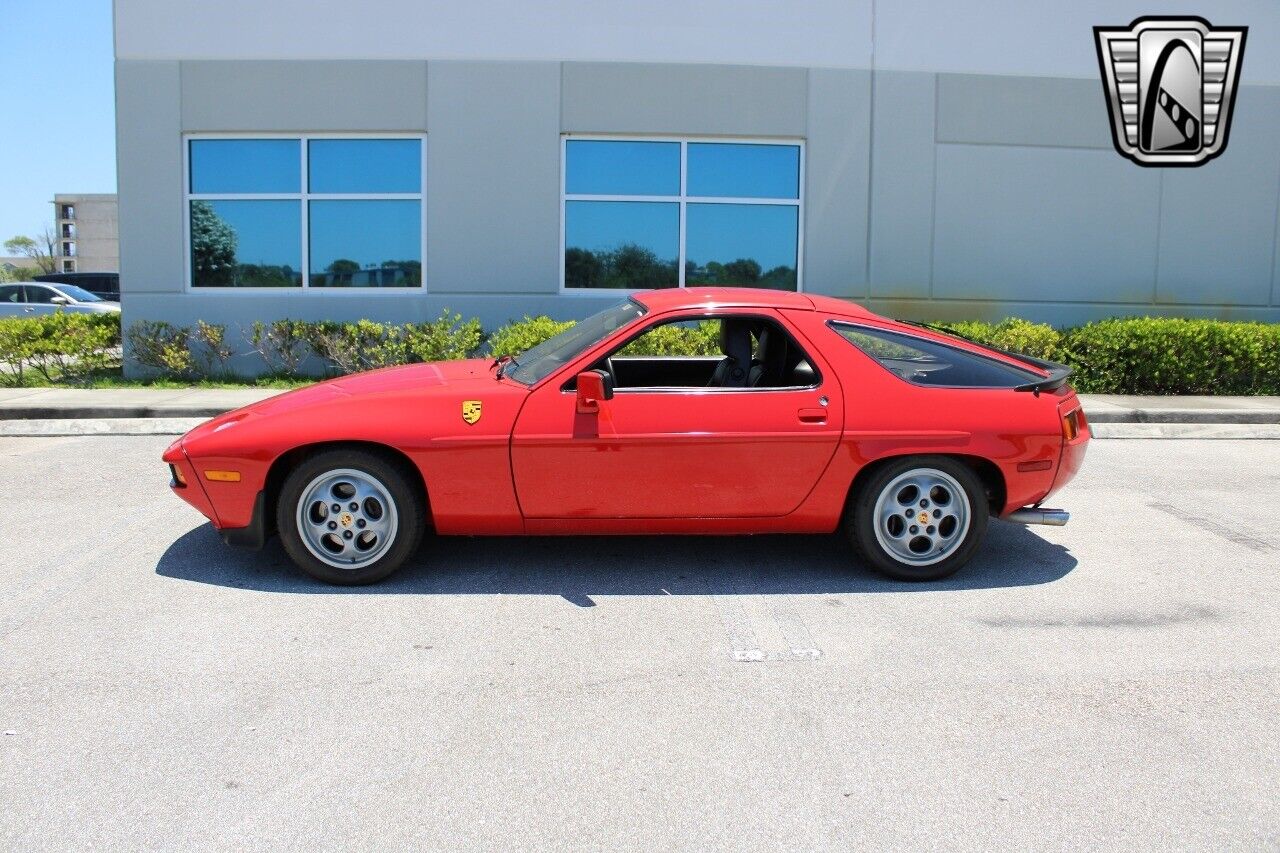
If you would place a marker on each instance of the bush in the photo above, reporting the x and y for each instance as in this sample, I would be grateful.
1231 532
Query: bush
448 337
161 347
1163 355
516 337
283 344
1130 355
59 347
1038 340
674 339
352 347
366 345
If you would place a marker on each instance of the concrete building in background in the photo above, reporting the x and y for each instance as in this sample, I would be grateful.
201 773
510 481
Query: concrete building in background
391 158
23 265
88 232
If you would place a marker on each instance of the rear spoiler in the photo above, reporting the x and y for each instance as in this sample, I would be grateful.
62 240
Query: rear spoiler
1058 374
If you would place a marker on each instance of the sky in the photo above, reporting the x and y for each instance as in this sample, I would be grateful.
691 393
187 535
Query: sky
57 134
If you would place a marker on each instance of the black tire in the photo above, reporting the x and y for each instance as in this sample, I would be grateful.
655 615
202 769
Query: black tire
404 494
859 523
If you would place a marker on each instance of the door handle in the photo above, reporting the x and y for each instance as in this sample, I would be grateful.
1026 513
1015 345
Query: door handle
813 416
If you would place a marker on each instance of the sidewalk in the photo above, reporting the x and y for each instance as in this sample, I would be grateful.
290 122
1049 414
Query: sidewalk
59 403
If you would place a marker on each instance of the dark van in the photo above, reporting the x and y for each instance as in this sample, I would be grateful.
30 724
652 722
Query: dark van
104 285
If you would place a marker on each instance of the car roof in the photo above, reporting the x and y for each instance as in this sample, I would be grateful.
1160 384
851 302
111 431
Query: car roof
675 298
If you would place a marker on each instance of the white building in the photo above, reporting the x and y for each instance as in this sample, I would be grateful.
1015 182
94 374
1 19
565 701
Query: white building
389 158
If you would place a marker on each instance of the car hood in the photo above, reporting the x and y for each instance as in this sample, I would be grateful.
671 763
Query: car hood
387 389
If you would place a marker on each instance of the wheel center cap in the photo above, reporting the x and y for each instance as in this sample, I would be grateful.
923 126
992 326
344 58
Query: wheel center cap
345 519
923 517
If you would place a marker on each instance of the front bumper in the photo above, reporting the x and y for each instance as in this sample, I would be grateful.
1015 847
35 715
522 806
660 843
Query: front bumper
254 535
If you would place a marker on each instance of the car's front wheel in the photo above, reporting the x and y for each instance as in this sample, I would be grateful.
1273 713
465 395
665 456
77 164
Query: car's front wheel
918 518
349 516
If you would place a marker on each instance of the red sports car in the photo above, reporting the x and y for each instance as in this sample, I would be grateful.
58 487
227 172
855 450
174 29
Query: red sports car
816 416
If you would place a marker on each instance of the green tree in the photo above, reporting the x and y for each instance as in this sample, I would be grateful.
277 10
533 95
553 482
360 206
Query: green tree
213 247
742 271
40 251
635 266
582 268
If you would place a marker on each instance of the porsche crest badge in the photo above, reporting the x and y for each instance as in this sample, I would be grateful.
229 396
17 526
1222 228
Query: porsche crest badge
471 411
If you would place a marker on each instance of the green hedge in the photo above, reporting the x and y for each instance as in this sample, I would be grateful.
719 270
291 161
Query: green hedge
58 347
1144 355
1149 355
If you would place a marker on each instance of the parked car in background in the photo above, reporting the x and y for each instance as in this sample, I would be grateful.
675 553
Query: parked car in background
27 298
104 285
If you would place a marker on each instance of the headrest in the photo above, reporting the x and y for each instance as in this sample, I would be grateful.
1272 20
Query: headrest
735 343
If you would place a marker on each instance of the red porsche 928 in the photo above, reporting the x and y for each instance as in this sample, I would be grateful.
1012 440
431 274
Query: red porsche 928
816 416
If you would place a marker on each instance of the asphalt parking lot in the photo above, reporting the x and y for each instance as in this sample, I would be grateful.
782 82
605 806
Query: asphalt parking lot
1113 683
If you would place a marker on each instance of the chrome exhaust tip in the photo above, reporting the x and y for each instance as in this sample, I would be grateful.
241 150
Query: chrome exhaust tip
1055 517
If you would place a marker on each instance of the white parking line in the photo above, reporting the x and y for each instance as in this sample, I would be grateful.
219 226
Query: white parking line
750 618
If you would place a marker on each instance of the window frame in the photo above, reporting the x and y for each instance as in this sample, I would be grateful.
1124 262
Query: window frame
302 197
683 199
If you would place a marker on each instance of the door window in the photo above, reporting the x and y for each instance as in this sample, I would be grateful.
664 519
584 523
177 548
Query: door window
10 293
730 352
40 295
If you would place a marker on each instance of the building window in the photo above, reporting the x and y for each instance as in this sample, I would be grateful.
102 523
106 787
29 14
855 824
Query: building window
68 250
68 266
652 213
68 211
305 212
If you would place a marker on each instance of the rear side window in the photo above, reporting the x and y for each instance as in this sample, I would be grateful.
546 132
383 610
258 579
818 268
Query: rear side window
923 362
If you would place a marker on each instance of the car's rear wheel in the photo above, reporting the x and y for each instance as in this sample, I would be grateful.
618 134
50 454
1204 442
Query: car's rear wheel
918 518
349 516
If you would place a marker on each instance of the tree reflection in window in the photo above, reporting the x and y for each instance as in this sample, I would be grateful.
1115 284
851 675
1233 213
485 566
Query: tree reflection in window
244 244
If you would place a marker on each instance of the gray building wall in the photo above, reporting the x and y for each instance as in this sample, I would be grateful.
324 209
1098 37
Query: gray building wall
927 194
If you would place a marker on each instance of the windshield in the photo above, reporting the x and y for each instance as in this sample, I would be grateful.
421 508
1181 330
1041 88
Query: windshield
79 294
540 361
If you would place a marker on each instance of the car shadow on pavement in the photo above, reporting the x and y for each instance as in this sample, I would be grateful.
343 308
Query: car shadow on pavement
578 568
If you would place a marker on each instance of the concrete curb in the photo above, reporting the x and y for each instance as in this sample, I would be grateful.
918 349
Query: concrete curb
1181 416
35 413
33 428
1187 431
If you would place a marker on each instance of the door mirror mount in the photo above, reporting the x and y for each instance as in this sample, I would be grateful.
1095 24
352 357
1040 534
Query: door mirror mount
594 387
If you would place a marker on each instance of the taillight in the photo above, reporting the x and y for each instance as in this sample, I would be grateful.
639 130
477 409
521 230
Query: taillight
1071 423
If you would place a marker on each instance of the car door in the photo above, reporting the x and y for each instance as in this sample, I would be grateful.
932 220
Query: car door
675 452
39 299
12 303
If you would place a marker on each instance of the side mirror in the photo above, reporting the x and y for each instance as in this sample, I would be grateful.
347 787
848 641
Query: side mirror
594 386
60 300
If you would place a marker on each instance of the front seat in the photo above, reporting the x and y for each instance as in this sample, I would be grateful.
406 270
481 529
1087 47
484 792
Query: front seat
735 342
771 361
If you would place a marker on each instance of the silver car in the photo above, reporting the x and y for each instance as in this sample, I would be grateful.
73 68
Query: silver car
29 298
